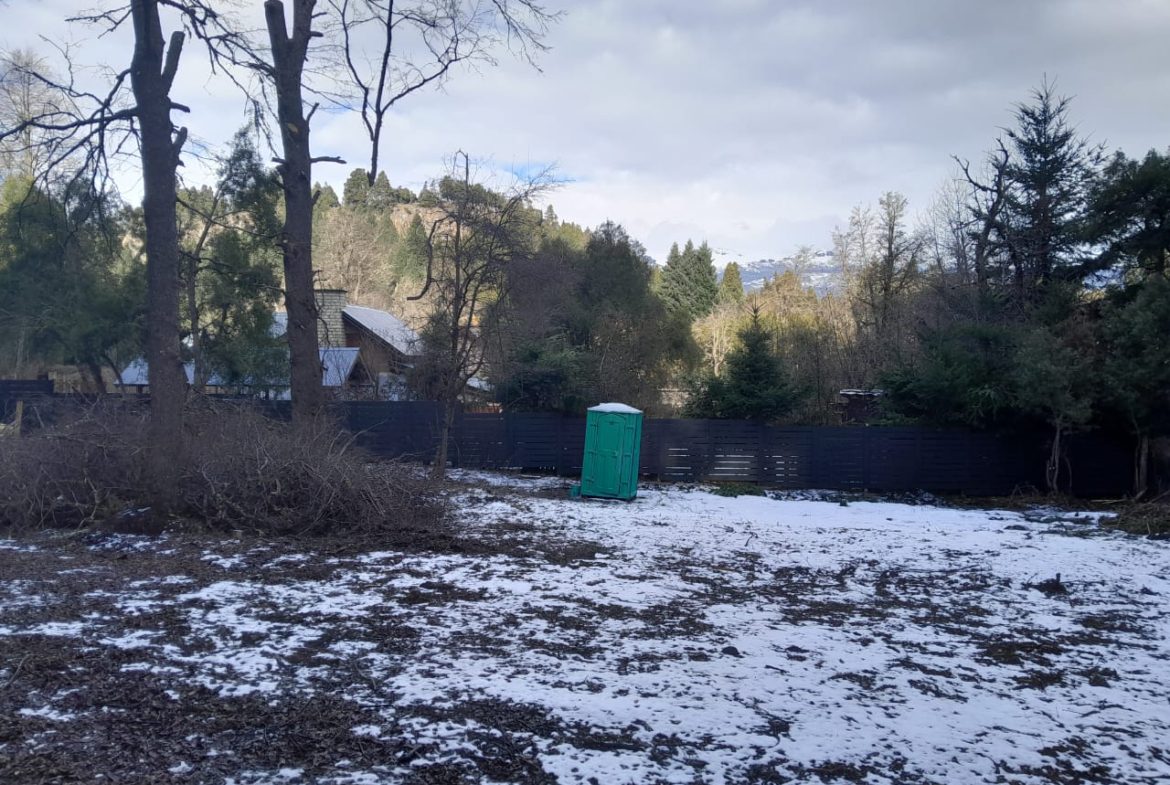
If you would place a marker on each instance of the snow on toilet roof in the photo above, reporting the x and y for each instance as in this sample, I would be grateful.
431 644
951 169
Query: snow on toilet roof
620 408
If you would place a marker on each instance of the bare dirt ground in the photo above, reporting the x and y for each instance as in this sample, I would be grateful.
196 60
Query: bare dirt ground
683 638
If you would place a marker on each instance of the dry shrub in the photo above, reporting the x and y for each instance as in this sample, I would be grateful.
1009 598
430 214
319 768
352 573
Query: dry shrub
1151 519
82 467
248 471
240 471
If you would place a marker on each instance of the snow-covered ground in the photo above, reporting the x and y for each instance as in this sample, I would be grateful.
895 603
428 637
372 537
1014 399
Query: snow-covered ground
681 638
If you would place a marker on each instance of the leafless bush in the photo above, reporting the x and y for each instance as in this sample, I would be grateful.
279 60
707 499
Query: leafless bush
245 470
1151 519
86 465
242 471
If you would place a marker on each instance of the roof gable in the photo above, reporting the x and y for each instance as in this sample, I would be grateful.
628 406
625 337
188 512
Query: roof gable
385 326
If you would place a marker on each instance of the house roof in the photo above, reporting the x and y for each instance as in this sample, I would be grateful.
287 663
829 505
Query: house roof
384 325
136 374
336 366
381 324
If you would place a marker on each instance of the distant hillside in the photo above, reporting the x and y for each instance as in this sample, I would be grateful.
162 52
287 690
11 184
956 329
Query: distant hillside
820 274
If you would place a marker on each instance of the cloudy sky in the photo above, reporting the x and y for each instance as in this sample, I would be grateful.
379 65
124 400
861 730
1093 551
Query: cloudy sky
753 124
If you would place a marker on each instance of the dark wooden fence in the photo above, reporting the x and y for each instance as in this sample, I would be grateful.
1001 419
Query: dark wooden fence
841 458
882 459
13 390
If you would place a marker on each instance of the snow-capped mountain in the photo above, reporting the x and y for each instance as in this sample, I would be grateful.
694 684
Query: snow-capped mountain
819 273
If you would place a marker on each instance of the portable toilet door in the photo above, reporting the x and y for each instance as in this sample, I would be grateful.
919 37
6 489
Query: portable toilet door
613 441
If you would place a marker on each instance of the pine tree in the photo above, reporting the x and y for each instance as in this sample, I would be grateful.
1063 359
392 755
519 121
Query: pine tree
357 189
1136 364
409 260
1129 216
658 274
755 386
327 197
1053 380
731 287
1048 176
689 285
380 196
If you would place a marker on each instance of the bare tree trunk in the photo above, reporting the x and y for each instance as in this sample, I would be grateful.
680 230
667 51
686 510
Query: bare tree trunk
118 381
95 374
451 386
450 407
151 80
20 341
288 61
1141 467
1052 470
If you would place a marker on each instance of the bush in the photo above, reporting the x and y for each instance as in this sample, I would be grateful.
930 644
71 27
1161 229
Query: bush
241 471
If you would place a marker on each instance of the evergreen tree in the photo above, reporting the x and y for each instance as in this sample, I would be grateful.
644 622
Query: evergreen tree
731 287
409 260
230 273
1136 363
66 295
964 376
1048 174
689 284
326 197
755 387
380 195
356 191
658 274
1053 381
1129 215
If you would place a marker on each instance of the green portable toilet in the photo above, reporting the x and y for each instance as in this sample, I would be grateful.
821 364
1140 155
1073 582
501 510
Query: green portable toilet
613 442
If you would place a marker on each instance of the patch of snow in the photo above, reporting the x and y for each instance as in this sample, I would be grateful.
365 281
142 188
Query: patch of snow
373 731
139 639
503 480
291 558
47 713
615 408
169 580
61 629
226 562
112 541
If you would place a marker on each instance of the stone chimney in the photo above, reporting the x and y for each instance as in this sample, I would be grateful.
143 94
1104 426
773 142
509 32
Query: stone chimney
330 327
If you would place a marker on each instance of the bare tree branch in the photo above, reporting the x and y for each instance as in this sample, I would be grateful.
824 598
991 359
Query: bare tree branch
421 41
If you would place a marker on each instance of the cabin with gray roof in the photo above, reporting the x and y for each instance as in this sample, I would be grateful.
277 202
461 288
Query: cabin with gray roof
365 354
